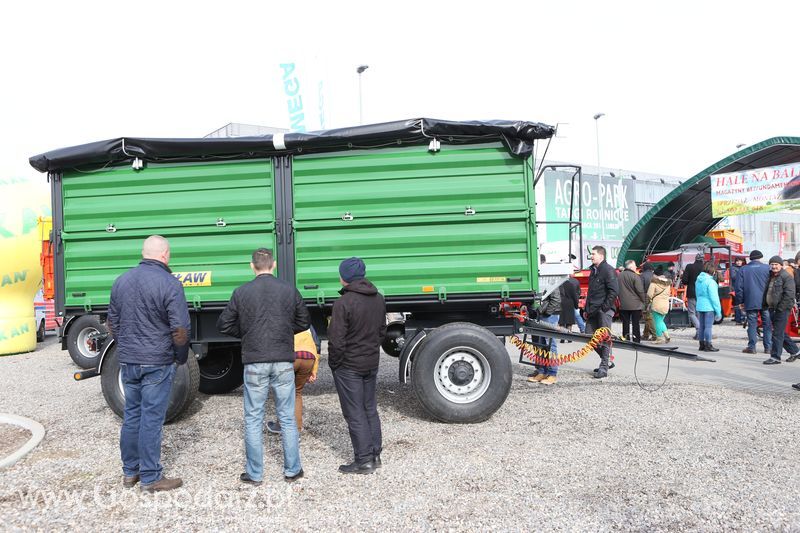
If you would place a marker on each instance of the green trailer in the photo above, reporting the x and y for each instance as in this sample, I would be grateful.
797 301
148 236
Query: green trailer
443 214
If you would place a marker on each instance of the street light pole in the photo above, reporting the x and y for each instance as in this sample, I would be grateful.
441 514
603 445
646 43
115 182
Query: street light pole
599 177
360 70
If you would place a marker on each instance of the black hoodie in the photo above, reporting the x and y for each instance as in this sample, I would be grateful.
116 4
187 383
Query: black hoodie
357 328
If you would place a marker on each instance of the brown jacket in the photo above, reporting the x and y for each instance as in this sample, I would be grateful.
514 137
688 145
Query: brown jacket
658 294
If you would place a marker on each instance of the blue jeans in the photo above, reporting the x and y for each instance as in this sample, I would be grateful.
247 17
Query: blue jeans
580 321
258 379
780 339
147 390
706 322
752 325
552 346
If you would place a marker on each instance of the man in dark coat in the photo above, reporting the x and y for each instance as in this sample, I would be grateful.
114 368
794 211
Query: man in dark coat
738 314
779 298
689 279
632 299
265 313
600 298
649 326
149 318
751 281
570 301
355 334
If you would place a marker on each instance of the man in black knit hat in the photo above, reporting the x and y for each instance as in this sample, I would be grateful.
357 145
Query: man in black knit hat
355 334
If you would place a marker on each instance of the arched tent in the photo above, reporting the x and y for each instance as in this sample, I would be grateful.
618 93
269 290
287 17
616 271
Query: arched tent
685 212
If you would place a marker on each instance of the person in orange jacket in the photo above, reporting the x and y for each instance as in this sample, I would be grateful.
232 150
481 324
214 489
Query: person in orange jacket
306 363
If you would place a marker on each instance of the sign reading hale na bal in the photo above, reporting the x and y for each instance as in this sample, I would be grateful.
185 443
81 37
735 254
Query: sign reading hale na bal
761 190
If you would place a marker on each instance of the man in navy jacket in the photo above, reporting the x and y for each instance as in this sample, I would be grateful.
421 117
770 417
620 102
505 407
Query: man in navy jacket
149 318
751 281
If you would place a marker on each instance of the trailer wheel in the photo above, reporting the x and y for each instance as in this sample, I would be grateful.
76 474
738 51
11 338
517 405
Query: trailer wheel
221 370
462 373
391 342
79 339
184 386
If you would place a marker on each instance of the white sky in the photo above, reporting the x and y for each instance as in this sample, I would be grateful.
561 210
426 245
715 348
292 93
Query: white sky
681 83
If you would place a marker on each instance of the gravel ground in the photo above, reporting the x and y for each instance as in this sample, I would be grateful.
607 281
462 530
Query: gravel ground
583 455
12 438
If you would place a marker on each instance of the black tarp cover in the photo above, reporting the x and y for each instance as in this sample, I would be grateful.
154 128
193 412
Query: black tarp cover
517 136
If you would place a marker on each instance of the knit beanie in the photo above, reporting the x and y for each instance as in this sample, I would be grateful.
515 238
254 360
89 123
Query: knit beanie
352 269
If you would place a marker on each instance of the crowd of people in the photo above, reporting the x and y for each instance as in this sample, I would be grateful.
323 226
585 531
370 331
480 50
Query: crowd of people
764 297
148 316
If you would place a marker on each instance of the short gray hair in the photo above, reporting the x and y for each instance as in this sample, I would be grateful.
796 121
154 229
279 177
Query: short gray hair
630 264
154 246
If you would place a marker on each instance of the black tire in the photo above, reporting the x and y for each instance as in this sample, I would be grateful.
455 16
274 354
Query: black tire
466 353
40 332
184 386
221 370
79 332
394 332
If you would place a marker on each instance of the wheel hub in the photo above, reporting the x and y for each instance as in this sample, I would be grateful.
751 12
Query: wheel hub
462 375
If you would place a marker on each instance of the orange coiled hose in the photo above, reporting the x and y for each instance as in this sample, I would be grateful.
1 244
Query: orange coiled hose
544 357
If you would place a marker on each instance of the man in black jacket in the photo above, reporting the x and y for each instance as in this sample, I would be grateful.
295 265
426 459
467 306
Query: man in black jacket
689 279
600 299
779 298
265 314
738 314
149 318
357 328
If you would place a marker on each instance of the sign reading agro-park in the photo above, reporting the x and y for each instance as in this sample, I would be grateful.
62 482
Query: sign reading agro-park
761 190
607 205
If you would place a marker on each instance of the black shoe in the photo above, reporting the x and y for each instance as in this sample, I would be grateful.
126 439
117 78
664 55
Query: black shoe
610 366
599 373
355 468
274 428
702 346
772 361
244 478
289 479
710 347
796 386
793 358
376 461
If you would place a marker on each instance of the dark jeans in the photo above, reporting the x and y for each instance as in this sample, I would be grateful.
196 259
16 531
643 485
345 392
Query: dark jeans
631 318
357 396
706 320
752 325
596 321
780 339
147 390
